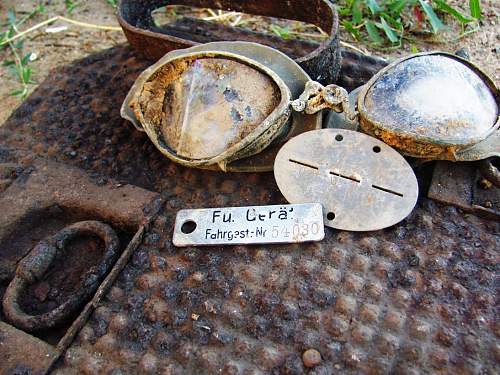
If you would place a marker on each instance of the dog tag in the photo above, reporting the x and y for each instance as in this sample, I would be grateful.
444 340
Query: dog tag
362 183
288 223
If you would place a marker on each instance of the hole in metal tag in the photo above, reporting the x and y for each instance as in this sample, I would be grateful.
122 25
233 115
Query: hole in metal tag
286 223
362 183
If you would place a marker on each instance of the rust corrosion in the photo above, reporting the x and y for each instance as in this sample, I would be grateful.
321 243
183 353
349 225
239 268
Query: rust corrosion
32 268
413 298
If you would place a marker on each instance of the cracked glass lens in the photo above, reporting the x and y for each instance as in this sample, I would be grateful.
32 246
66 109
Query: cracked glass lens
200 107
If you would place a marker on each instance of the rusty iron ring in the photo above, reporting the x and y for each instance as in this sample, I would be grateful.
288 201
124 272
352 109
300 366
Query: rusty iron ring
490 171
32 268
322 63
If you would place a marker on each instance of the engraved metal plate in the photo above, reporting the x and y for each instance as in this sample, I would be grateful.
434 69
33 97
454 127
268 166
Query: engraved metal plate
362 183
285 223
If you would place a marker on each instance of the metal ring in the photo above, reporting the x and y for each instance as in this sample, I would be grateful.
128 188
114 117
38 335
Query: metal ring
32 268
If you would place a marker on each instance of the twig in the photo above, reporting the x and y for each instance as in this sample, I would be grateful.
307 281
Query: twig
308 35
237 21
212 13
33 28
320 30
465 33
220 17
348 45
90 25
61 18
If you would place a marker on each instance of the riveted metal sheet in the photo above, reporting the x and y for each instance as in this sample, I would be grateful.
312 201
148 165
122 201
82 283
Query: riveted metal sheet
249 225
362 183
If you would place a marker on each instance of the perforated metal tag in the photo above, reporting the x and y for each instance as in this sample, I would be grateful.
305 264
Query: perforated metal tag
362 183
249 225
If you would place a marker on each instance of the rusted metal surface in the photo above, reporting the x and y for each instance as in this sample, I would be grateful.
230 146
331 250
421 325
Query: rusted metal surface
415 298
418 297
460 184
401 106
321 62
42 198
16 346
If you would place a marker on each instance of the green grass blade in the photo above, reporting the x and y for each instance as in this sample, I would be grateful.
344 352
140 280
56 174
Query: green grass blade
373 5
436 24
445 7
396 7
350 29
391 35
395 23
475 9
373 33
18 92
282 32
357 13
26 74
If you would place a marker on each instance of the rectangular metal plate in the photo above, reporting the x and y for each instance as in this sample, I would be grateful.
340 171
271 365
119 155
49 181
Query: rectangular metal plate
285 223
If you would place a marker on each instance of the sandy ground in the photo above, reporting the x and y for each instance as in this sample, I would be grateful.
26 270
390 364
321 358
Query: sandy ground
54 49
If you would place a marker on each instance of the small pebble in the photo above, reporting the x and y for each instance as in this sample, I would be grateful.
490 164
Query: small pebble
311 358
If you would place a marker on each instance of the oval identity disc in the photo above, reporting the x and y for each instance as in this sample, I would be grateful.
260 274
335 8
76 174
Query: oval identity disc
362 183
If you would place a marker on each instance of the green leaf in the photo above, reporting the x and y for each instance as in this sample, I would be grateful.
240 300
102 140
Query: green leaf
434 20
26 74
18 92
373 5
25 59
373 33
41 8
395 23
9 33
350 29
13 71
344 11
71 5
475 9
462 18
19 44
397 6
414 49
282 32
357 13
391 35
8 63
11 17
